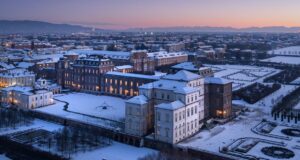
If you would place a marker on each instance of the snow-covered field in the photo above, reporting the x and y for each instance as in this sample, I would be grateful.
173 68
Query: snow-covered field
117 151
268 102
223 135
297 106
242 75
287 51
284 60
296 81
111 108
37 124
3 157
100 106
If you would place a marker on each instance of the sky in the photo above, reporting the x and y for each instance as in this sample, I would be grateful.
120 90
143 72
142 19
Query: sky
122 14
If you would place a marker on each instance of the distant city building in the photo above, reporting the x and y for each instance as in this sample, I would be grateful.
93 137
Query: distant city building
26 97
193 67
17 77
175 47
142 62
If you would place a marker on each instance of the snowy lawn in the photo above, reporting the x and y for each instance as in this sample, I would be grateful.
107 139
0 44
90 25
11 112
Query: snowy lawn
223 135
3 157
284 60
101 106
90 105
268 102
116 151
37 124
242 75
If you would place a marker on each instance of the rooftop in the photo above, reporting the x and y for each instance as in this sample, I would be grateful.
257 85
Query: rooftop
141 99
171 106
134 75
183 75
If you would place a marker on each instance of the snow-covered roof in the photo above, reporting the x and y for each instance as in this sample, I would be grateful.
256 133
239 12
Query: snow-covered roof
164 54
182 75
25 90
25 65
186 65
141 99
185 90
171 106
17 73
214 80
134 75
110 54
18 88
6 66
123 67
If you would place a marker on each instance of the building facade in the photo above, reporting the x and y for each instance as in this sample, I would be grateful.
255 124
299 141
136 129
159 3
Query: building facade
26 97
175 107
124 84
218 98
17 77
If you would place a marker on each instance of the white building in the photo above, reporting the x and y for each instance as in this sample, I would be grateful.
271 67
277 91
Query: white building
26 97
17 77
47 85
177 103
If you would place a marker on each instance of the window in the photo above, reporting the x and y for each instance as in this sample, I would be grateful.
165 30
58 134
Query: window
167 132
158 130
167 117
158 116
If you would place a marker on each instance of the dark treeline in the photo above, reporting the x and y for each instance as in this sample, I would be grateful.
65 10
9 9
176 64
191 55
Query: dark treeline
12 118
70 140
255 92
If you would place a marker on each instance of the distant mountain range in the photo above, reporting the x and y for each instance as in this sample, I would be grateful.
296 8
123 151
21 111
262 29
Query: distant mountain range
275 29
29 27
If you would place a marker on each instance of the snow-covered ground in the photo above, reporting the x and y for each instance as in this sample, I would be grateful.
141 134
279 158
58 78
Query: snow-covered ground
93 105
268 102
116 151
242 75
36 124
90 105
287 51
3 157
240 127
223 135
297 107
284 60
296 81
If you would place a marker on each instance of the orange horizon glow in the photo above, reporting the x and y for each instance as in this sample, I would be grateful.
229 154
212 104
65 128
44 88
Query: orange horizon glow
123 14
